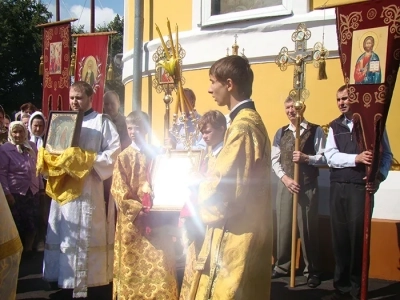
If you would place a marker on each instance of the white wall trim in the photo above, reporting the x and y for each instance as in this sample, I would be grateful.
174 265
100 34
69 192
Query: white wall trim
283 9
262 41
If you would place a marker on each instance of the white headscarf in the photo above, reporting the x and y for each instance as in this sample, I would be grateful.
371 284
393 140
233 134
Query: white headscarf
37 139
20 146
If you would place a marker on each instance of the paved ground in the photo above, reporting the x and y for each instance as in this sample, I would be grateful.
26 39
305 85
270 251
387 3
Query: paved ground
31 286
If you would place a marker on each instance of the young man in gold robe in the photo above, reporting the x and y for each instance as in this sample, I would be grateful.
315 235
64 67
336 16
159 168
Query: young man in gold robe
144 262
212 126
234 199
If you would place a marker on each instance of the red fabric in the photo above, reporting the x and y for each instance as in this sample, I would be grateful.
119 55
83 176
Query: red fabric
91 65
56 60
358 75
370 103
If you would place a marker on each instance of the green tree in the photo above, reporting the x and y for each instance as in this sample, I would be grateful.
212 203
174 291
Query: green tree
20 51
115 47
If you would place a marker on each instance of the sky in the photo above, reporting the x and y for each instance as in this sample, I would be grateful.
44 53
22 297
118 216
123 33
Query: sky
106 10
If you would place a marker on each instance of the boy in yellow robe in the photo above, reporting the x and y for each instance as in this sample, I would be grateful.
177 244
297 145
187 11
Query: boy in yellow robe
234 200
212 126
144 262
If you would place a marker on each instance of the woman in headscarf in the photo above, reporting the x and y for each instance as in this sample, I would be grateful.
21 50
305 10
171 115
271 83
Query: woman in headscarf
19 181
36 127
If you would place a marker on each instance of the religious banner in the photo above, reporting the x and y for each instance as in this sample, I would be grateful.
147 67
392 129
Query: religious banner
55 64
369 48
91 63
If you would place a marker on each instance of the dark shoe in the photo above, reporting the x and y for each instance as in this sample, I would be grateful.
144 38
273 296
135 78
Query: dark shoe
313 281
276 274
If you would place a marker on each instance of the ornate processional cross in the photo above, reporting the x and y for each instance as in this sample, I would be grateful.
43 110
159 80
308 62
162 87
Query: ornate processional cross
299 58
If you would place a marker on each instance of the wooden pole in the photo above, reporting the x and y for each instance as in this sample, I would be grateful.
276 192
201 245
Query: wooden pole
92 12
366 244
299 111
57 10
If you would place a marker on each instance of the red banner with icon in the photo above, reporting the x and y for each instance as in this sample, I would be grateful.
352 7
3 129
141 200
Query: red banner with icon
91 64
369 48
56 62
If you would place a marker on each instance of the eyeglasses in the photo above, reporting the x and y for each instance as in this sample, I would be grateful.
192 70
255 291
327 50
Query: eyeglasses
343 98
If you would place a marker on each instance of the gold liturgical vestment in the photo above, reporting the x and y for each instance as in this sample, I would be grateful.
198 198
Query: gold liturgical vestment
235 204
144 262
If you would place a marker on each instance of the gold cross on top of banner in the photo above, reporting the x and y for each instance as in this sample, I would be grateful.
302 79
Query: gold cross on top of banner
299 58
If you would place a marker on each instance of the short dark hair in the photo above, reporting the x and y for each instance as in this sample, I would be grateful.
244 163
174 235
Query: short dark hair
28 106
191 94
342 88
213 117
237 69
109 94
83 86
139 118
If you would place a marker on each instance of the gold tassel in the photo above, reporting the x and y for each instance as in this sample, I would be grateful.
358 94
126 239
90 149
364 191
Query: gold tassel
110 72
322 65
322 70
72 65
41 66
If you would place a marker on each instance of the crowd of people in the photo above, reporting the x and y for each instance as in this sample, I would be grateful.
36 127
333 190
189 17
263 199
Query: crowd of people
108 232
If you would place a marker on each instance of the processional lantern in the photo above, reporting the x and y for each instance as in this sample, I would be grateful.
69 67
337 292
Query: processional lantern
168 79
299 58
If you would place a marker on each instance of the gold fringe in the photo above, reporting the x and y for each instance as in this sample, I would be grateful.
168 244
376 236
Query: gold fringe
322 70
41 66
110 72
72 65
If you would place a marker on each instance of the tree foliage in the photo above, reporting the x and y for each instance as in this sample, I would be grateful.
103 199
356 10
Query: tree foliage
116 46
20 51
21 48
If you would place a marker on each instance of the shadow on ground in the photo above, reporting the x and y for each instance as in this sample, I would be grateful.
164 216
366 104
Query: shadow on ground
31 286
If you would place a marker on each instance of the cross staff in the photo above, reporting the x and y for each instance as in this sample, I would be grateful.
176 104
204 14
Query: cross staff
299 58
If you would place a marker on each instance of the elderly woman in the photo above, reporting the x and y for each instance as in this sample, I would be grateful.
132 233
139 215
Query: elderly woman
19 181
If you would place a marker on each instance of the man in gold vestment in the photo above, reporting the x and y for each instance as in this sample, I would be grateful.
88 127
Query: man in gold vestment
10 251
234 200
144 262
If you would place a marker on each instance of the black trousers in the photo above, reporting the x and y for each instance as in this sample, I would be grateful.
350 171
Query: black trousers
347 204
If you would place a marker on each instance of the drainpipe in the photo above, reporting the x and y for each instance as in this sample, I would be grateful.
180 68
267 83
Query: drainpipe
137 56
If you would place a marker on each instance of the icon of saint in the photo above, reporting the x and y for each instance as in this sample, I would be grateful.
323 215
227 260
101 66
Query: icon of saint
89 76
368 69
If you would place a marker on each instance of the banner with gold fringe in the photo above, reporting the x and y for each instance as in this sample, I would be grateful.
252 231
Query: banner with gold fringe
91 63
369 48
54 65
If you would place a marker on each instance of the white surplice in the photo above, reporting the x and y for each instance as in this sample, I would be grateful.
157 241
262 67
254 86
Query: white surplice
80 237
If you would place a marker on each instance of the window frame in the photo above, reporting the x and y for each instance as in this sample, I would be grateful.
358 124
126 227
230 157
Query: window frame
284 9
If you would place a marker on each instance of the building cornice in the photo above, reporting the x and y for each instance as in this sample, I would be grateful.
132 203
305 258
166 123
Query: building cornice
261 41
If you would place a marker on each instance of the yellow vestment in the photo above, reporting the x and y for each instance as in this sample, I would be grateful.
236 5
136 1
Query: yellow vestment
10 251
144 263
235 204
